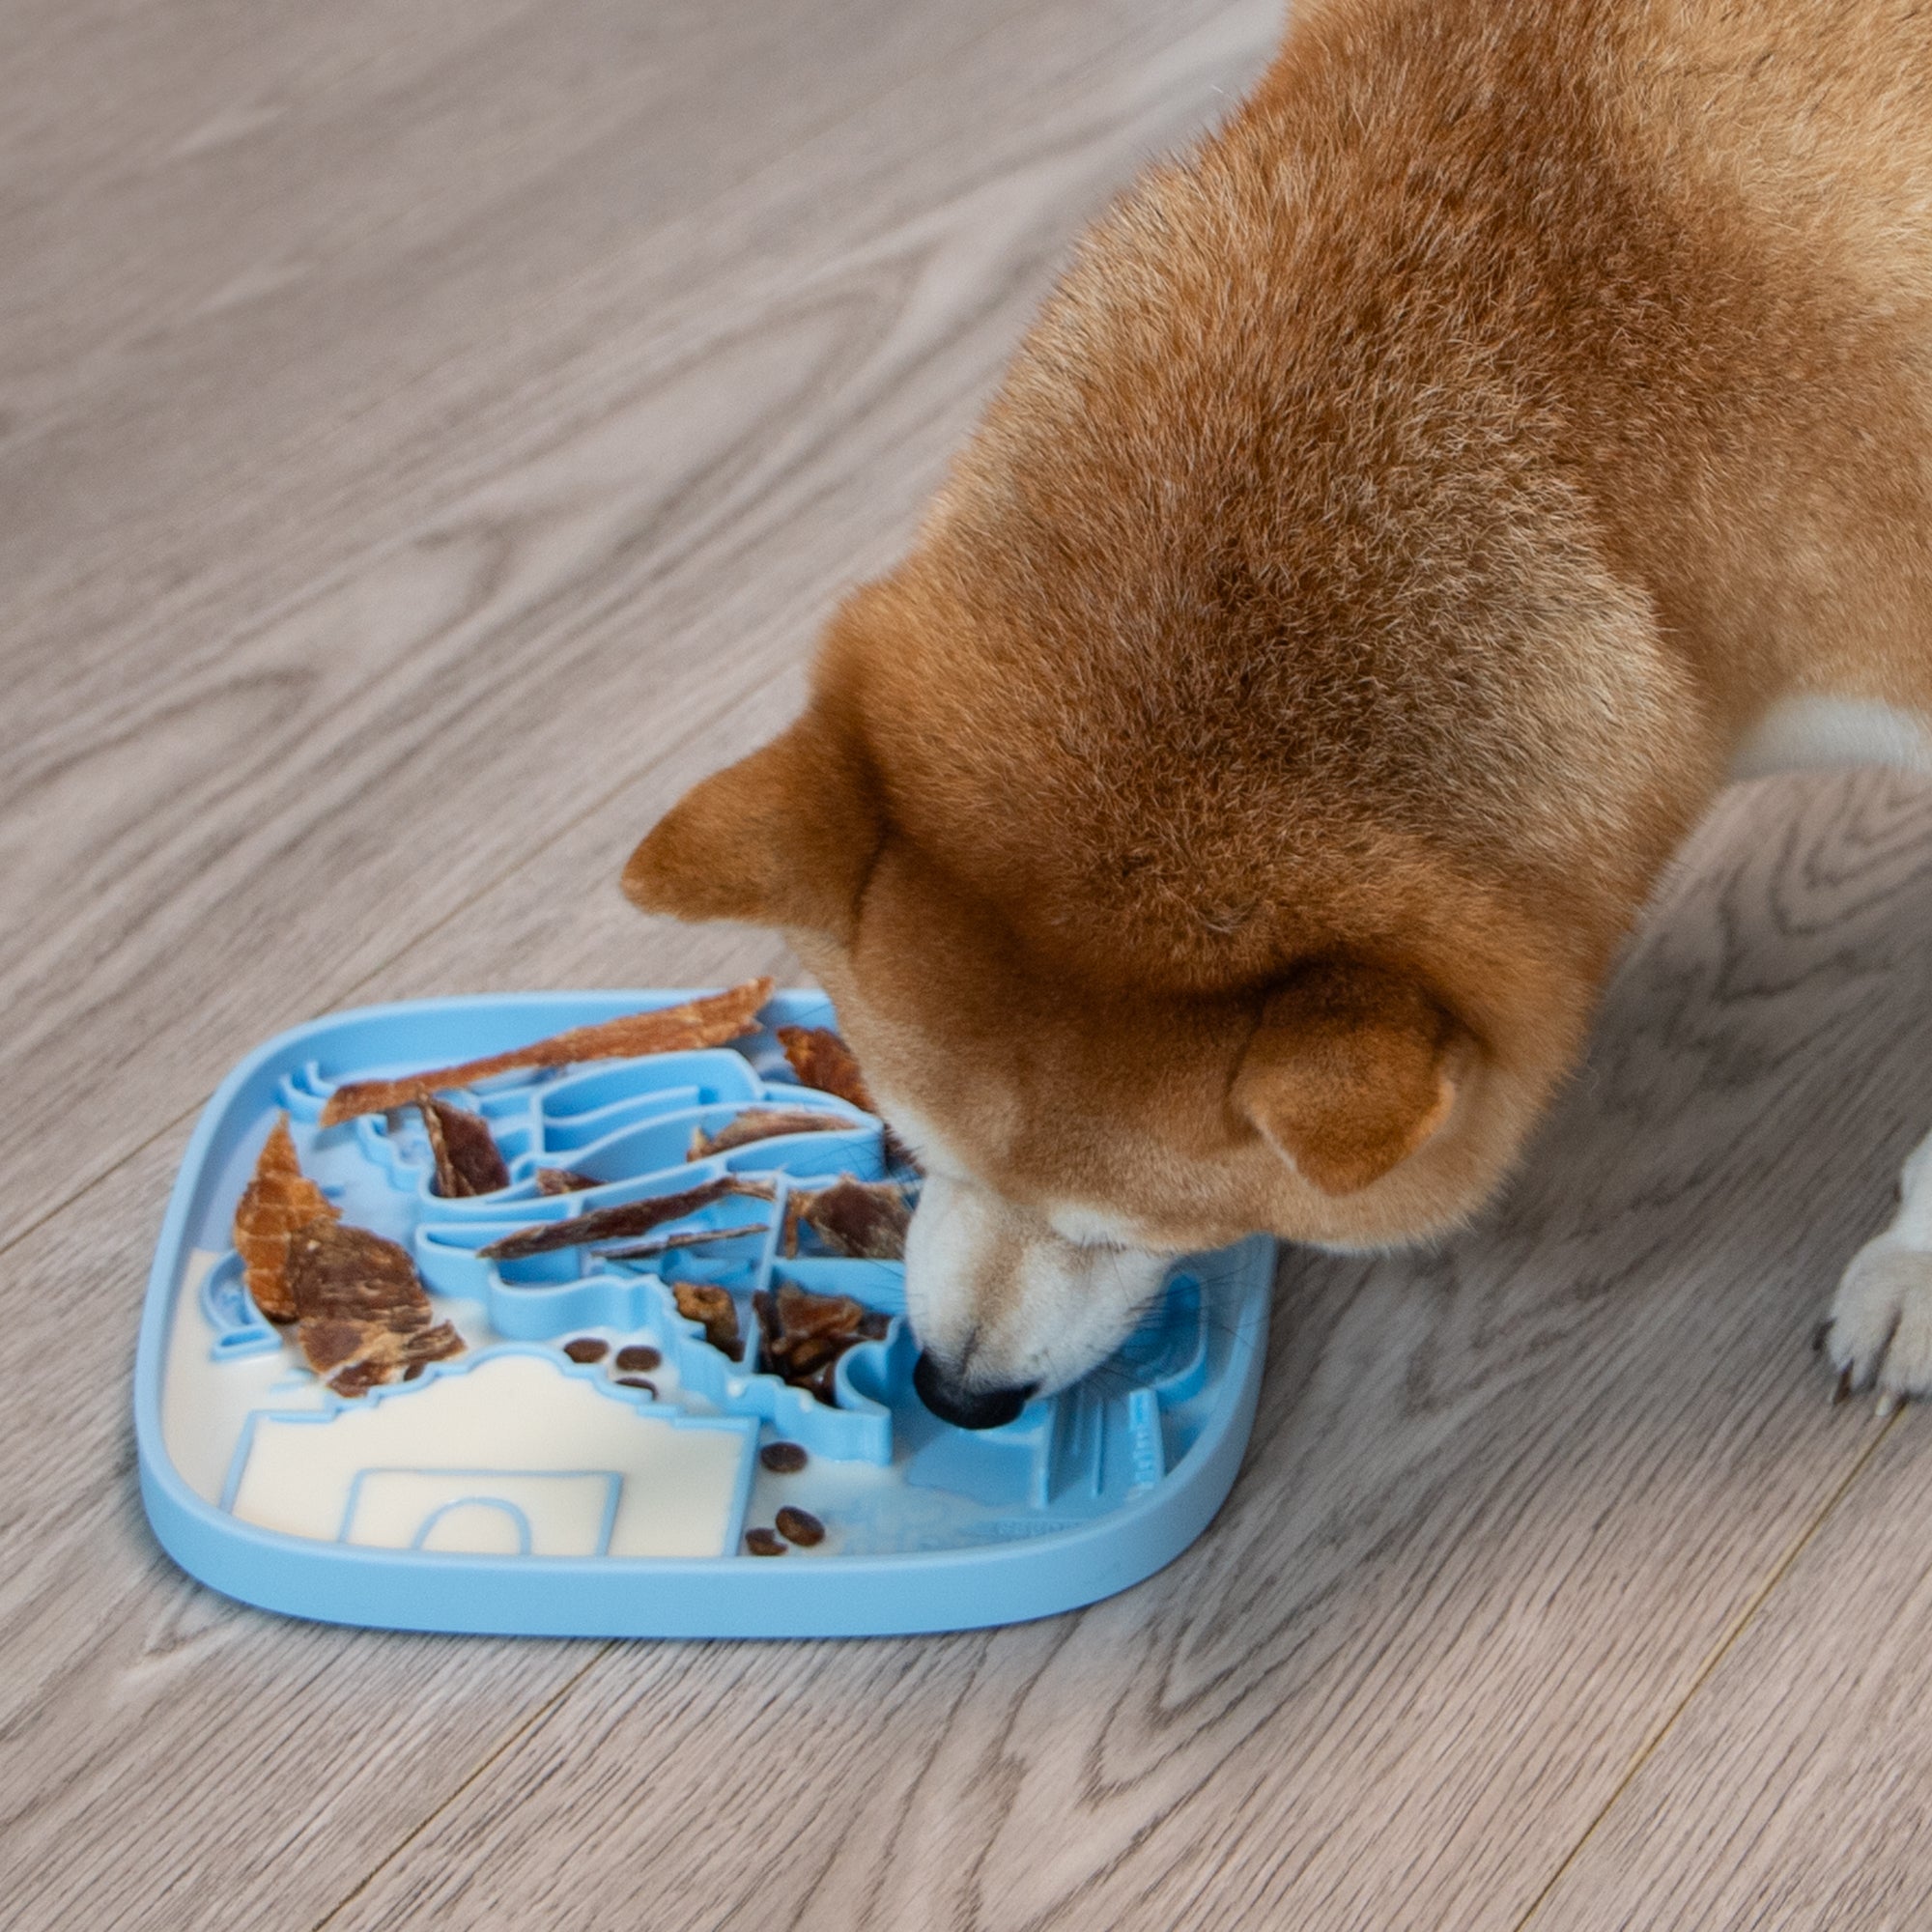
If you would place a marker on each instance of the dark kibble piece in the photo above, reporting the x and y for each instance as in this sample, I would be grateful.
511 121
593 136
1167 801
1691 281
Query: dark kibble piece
466 1158
764 1543
639 1356
637 1382
711 1021
799 1527
784 1458
586 1348
564 1180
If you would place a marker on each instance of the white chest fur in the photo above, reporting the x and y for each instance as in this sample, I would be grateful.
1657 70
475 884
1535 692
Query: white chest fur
1824 733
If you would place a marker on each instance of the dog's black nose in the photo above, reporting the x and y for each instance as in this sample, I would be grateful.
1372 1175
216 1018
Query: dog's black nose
964 1407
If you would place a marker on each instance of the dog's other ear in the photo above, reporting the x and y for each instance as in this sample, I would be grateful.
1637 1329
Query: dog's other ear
1351 1071
785 837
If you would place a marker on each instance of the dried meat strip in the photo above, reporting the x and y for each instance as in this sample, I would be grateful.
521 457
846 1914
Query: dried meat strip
805 1334
467 1160
861 1220
821 1059
564 1180
706 1302
620 1222
712 1021
276 1203
361 1315
687 1238
762 1123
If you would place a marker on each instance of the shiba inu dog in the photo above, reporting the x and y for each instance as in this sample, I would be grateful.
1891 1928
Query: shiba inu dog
1407 510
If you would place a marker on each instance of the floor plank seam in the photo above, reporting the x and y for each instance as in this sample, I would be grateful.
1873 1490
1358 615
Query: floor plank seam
508 1741
1718 1652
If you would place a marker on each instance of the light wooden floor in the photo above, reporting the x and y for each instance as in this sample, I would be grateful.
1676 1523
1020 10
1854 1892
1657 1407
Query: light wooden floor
429 436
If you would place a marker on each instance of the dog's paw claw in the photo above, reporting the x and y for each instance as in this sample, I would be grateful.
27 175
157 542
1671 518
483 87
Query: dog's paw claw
1880 1333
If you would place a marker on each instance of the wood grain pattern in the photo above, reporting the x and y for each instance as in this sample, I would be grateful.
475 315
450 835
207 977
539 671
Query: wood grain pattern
1796 1792
390 400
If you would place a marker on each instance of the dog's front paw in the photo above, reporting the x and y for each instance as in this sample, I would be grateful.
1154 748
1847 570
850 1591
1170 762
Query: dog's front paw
1881 1326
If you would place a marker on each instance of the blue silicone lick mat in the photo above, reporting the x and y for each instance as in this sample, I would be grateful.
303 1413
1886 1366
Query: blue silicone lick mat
514 1489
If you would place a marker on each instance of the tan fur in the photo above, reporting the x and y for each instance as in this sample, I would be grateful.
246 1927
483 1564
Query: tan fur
1225 817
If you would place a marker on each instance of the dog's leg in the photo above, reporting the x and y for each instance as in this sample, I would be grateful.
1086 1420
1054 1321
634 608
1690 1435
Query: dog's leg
1881 1325
1880 1330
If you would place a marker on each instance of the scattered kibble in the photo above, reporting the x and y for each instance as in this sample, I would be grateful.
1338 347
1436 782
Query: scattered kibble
764 1543
650 1388
784 1458
638 1359
586 1348
799 1527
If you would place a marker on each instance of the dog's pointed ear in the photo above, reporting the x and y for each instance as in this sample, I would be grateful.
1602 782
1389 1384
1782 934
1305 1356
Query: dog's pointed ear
786 837
1353 1069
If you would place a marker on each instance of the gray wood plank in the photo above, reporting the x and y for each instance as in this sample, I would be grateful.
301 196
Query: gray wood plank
1795 1792
1503 1505
258 797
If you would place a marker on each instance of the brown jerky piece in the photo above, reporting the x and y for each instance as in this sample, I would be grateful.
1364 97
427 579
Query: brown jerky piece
706 1302
764 1543
615 1223
761 1124
711 1021
799 1526
278 1201
361 1314
806 1333
862 1220
821 1059
466 1157
691 1238
564 1180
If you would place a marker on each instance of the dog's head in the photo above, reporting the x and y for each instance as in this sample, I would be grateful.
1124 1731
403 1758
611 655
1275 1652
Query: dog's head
1220 823
1119 1009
